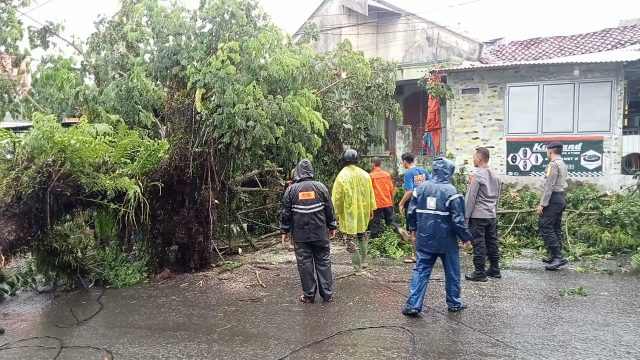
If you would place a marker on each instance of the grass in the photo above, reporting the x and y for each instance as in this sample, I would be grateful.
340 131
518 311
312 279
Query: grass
230 266
579 290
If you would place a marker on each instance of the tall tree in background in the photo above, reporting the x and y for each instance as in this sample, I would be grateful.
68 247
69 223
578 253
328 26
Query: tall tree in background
235 98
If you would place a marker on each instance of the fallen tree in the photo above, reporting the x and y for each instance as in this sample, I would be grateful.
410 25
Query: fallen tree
237 102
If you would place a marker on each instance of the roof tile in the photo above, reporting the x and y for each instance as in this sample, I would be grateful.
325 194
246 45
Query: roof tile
558 46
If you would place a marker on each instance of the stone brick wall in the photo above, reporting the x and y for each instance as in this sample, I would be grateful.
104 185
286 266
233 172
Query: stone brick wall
479 119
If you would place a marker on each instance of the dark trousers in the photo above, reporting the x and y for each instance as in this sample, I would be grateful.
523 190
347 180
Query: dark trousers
550 222
485 243
314 267
375 225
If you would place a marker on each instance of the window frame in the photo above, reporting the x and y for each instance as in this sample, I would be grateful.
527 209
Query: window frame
576 103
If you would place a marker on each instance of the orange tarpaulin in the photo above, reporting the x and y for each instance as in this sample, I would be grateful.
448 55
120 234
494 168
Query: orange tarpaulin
433 126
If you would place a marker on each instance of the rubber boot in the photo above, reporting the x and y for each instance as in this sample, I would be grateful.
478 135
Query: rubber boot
558 259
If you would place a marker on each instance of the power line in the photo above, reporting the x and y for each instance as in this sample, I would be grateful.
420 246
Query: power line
431 27
369 45
37 7
394 17
415 13
52 31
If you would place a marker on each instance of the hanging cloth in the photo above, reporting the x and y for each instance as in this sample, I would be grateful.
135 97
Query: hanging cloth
433 126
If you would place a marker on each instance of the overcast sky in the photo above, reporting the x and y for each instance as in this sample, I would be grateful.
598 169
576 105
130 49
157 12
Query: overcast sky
481 19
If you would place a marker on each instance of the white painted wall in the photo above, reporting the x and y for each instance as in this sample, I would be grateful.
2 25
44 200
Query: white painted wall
406 40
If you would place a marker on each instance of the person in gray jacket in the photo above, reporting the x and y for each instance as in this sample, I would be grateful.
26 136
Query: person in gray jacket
552 205
481 215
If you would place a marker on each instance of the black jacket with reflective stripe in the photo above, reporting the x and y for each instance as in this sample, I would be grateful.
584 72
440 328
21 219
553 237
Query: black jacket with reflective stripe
307 212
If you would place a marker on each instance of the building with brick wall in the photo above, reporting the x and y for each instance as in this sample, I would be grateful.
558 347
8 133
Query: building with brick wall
583 90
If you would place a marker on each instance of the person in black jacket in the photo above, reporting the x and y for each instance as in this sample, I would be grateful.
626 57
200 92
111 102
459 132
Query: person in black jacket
308 218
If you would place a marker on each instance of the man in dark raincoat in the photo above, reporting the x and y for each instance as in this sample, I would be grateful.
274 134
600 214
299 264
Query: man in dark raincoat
436 220
308 217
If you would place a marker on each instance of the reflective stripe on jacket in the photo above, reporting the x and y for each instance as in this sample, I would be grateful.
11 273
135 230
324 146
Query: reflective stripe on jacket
307 212
436 212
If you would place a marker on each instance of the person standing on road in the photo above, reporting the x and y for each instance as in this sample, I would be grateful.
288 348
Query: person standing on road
436 220
383 189
308 217
481 215
354 201
552 206
414 176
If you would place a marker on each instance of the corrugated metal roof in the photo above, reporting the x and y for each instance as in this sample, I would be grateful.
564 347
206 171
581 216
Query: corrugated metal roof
14 124
614 56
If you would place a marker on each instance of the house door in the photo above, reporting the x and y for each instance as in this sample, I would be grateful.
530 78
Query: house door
414 113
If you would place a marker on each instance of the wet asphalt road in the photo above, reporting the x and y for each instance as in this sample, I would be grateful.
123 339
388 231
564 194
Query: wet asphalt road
231 316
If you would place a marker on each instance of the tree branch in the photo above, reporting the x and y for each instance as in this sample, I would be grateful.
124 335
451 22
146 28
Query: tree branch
26 94
56 34
331 85
251 174
246 189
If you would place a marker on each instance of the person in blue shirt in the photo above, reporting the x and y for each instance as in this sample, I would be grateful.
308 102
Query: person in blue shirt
436 221
414 176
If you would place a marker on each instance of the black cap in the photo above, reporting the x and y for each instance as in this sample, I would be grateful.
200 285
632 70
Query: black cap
554 145
350 156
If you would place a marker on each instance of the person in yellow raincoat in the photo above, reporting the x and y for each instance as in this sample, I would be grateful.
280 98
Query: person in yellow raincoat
354 201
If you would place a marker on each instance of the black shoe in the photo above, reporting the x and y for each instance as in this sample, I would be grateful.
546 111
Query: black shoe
548 260
557 263
476 276
457 309
411 312
494 273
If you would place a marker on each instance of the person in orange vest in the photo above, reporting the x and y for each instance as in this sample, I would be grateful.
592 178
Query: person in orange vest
383 189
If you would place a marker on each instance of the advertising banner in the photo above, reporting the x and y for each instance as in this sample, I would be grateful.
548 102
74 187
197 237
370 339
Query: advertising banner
583 155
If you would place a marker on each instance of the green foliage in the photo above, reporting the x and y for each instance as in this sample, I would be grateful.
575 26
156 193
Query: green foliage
11 25
356 93
20 279
222 86
460 178
594 224
75 253
579 290
81 189
40 37
389 245
635 260
57 85
12 34
435 87
108 163
115 268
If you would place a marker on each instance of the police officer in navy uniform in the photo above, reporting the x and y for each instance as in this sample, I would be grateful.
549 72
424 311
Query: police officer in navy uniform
552 206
